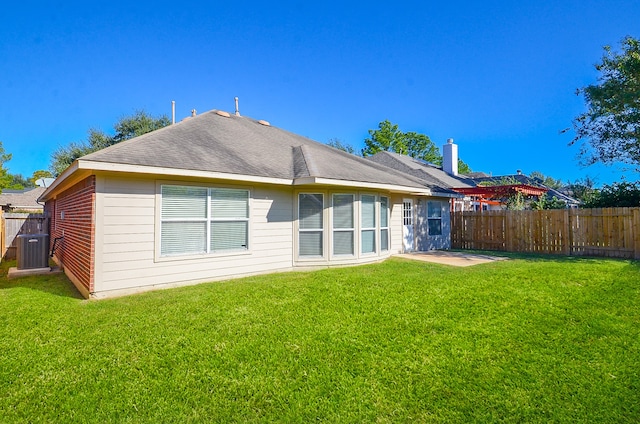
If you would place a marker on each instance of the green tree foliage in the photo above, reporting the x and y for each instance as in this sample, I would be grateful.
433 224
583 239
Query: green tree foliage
619 194
340 145
583 189
388 137
126 128
6 179
547 202
136 125
18 182
546 180
610 128
463 168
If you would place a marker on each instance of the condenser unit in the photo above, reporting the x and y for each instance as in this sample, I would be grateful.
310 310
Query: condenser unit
33 251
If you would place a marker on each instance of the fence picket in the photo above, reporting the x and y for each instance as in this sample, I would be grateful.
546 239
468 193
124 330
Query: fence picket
613 232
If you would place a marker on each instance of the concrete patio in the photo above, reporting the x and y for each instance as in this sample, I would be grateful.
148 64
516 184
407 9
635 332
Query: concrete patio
447 257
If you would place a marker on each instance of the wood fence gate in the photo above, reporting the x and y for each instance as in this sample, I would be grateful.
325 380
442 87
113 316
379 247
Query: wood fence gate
609 232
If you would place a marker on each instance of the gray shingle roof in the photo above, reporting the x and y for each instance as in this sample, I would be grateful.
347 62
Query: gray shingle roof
23 199
430 174
241 145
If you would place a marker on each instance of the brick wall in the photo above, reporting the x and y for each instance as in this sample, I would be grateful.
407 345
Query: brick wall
72 216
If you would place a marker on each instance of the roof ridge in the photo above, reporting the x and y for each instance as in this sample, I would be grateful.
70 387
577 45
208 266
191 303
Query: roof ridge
307 158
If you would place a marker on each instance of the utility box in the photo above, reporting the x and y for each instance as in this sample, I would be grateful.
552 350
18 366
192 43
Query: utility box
33 251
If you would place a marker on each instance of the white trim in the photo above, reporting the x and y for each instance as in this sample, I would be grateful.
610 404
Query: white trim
175 172
361 184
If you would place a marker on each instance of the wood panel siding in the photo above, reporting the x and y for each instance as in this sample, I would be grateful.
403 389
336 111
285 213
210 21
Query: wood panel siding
129 240
395 224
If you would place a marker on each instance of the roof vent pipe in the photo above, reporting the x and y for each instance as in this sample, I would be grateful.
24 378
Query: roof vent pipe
193 112
450 157
173 112
237 110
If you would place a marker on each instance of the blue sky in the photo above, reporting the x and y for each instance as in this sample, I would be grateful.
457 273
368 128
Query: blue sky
497 76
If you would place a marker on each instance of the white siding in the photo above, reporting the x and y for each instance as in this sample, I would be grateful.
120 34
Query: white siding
395 223
128 239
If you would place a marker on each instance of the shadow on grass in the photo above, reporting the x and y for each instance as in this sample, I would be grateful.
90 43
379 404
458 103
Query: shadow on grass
55 283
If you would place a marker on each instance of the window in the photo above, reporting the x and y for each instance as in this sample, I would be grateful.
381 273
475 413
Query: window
197 220
343 224
434 218
310 224
407 212
368 223
384 224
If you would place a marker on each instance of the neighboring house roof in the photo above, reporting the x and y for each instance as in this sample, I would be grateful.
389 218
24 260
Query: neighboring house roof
524 179
435 177
217 144
21 199
430 174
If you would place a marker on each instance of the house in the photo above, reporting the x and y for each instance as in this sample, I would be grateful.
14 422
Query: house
480 191
219 196
523 180
21 200
439 178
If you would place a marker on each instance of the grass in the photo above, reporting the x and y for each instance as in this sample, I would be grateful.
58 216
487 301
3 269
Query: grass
525 340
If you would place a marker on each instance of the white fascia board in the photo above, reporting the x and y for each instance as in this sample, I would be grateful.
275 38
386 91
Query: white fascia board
359 184
65 174
175 172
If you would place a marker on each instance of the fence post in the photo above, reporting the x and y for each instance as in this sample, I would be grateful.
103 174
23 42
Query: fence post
636 233
3 249
567 236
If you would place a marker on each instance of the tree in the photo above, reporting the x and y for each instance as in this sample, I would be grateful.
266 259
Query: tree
546 180
619 194
338 144
547 202
610 128
18 182
463 168
582 189
138 124
127 127
5 178
388 137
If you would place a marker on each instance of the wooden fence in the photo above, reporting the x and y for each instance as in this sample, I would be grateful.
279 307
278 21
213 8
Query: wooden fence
610 232
15 224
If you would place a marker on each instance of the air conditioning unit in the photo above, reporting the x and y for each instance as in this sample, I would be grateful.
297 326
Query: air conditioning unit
33 251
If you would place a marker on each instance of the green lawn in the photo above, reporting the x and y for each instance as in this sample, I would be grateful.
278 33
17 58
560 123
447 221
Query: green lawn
525 340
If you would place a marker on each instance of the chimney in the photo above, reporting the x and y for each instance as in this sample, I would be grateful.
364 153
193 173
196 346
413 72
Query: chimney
237 110
193 112
450 157
173 112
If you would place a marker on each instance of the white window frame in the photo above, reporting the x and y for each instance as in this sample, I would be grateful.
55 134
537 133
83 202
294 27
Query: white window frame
351 230
322 229
373 229
208 220
384 227
432 218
